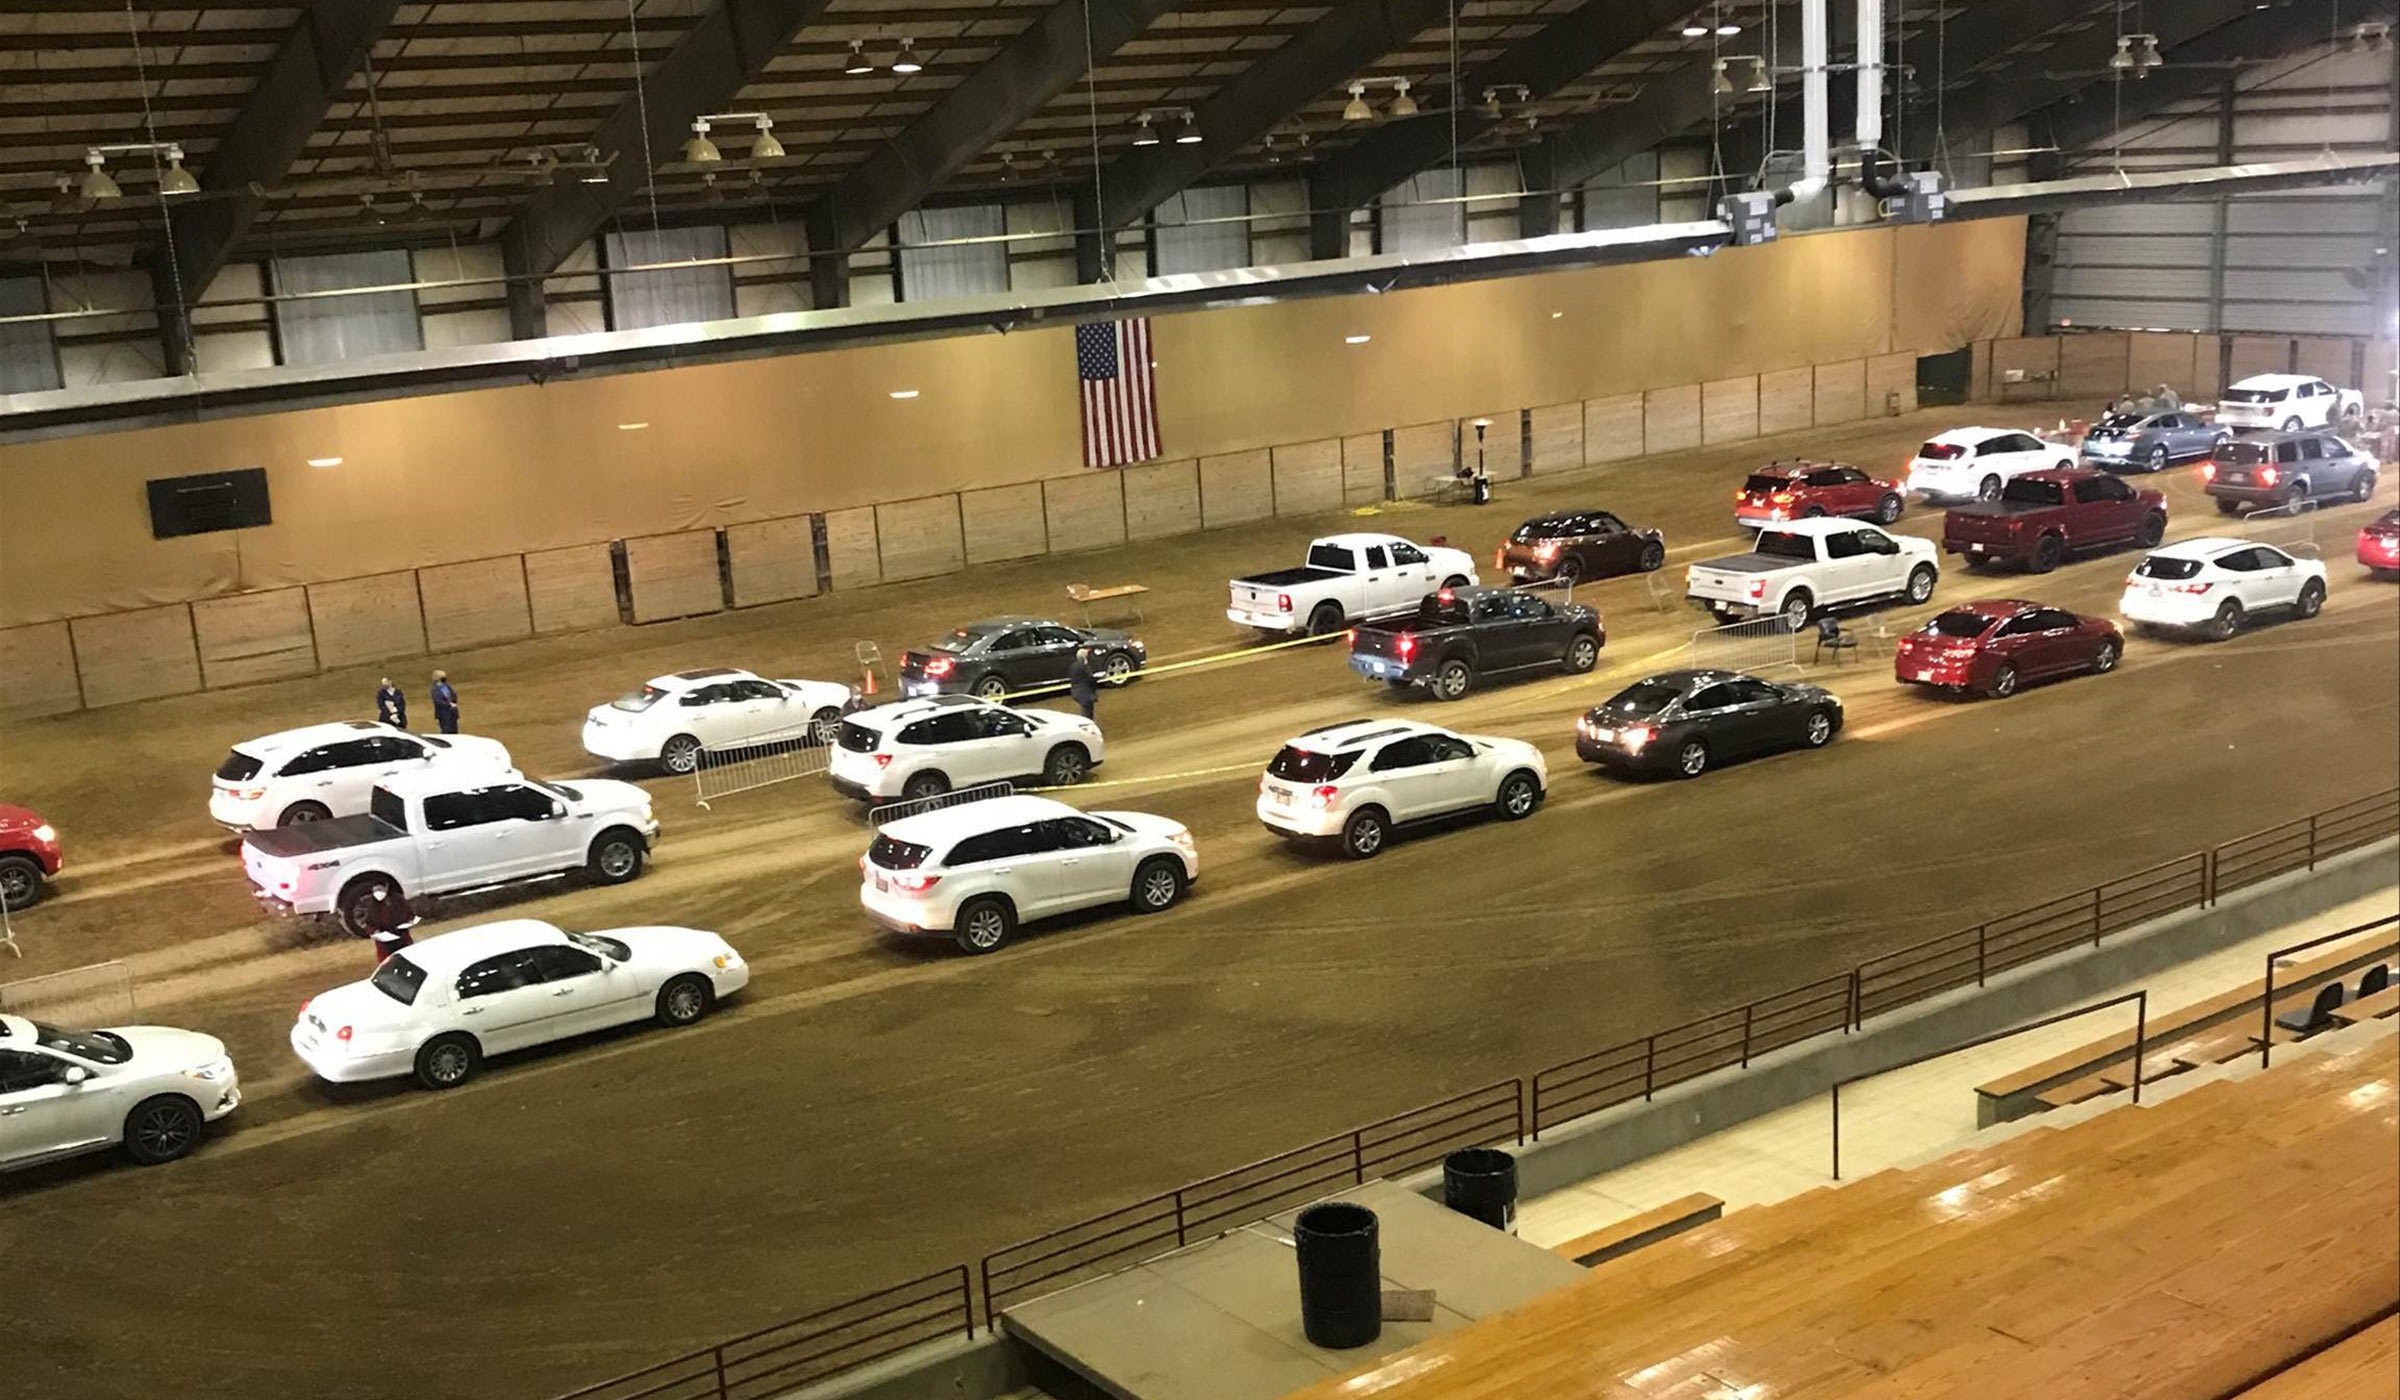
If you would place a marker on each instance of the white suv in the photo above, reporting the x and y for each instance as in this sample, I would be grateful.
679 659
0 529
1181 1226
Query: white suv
675 719
327 770
148 1088
1355 781
2210 585
923 748
2288 402
1974 463
977 871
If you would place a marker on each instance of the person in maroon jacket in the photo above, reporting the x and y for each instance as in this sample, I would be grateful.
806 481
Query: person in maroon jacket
388 920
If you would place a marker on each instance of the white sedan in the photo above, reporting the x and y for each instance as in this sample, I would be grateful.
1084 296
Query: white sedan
2210 585
1974 463
147 1088
327 770
978 871
675 719
437 1009
1352 783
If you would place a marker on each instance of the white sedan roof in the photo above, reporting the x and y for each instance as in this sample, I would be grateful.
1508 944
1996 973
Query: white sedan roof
310 735
948 824
447 954
678 681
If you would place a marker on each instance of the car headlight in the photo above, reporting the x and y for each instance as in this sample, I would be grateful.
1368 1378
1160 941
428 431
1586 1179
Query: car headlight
215 1071
646 812
45 833
726 959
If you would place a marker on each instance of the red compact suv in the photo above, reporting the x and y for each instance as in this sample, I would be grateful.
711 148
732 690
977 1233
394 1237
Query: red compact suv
28 856
1991 647
2379 545
1797 490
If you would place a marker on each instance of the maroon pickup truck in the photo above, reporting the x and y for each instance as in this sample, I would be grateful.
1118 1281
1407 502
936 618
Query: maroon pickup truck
2043 516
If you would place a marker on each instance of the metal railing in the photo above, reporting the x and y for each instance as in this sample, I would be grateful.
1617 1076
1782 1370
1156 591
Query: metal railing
2301 843
955 797
98 995
1758 644
2266 1010
753 766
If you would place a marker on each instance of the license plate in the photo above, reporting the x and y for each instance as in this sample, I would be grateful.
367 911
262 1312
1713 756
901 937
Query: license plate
1280 796
1605 736
1925 675
883 884
1377 667
2237 476
1975 549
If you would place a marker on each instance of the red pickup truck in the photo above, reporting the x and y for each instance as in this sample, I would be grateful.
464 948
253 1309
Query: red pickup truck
2043 516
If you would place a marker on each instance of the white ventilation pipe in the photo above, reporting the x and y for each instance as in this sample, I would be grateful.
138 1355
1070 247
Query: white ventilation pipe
1869 133
1816 155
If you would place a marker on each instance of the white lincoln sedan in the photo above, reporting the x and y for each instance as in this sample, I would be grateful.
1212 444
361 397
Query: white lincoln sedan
437 1009
145 1088
676 719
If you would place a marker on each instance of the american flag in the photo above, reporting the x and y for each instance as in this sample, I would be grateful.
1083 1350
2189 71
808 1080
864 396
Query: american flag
1120 399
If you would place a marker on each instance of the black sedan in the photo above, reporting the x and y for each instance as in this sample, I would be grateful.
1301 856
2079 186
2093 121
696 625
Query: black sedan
1574 544
1686 722
1001 655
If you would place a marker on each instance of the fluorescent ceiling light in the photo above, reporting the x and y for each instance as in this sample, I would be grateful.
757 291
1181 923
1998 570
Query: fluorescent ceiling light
904 393
324 461
1695 31
1356 339
631 427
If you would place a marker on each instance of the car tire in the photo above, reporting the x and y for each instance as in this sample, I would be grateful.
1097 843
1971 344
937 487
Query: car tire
1889 508
991 685
1116 669
984 925
823 726
1520 792
2362 487
1325 620
2226 507
615 855
2293 424
447 1061
1568 572
301 812
1817 730
2004 682
2311 600
1157 885
1451 680
2158 458
20 882
1798 607
1364 834
2047 552
680 754
2296 496
1691 759
1067 765
1920 583
1988 489
2227 621
2105 660
1654 556
1455 581
350 907
683 1000
161 1129
1583 653
932 782
2152 529
1813 513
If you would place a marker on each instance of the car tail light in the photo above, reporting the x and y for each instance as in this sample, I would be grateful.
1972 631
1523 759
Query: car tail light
1408 646
2195 589
342 1035
915 884
1548 551
1324 797
2208 471
1638 735
862 863
1284 601
1781 498
1740 497
883 760
1758 588
283 887
2268 476
1500 558
248 794
940 666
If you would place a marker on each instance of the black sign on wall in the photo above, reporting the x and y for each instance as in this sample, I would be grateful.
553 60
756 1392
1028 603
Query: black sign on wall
196 505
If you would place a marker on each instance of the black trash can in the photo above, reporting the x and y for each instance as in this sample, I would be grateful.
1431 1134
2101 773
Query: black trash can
1341 1274
1483 489
1481 1183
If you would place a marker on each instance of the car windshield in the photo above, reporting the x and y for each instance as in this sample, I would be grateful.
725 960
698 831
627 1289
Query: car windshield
2167 566
596 943
239 767
2248 453
2121 421
1641 698
1958 624
2027 491
1761 485
897 855
638 700
1295 765
1783 544
557 790
398 978
2256 395
100 1047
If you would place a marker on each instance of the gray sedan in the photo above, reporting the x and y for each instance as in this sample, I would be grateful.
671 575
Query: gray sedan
2149 441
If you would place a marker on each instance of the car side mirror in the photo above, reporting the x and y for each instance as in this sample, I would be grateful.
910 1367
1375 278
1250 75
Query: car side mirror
75 1074
557 809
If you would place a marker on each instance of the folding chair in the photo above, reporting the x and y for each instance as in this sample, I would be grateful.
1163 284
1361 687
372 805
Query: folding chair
1830 636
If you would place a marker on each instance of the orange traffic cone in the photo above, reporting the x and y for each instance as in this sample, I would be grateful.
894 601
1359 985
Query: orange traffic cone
869 688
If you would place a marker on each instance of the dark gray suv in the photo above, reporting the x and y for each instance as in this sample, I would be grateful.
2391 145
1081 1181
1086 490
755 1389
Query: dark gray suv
2288 470
1001 655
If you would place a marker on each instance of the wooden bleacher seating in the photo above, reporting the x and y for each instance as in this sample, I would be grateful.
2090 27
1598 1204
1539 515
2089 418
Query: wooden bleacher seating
2363 1366
2370 1007
1130 594
2179 1251
1633 1232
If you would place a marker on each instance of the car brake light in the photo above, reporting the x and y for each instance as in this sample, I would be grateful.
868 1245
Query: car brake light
883 760
1781 498
862 863
939 666
1758 588
915 884
2267 476
1324 796
1548 551
1638 735
248 794
2208 471
342 1035
2195 589
1740 496
1284 601
1408 646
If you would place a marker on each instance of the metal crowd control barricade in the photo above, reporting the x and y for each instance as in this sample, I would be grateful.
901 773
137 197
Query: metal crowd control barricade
956 797
1759 644
722 773
98 995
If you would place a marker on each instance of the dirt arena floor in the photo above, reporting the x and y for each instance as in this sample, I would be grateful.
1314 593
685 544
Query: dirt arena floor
873 1108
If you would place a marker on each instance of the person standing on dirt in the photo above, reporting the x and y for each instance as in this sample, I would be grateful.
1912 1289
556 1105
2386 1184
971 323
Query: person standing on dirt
390 705
388 919
445 703
1083 683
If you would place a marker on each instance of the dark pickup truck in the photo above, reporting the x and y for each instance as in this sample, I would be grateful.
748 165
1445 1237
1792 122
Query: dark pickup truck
2041 517
1462 634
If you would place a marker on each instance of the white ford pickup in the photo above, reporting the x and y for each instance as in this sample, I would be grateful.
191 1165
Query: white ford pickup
1347 577
1806 565
429 834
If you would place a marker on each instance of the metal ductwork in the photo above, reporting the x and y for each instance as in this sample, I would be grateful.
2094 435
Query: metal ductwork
1868 133
1816 135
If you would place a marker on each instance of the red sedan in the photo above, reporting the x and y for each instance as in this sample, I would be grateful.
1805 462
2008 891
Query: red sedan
1992 647
28 856
1797 490
2379 545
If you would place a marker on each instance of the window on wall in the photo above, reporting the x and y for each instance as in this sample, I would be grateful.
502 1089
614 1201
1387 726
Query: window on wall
667 295
955 268
319 330
1203 230
28 349
1415 218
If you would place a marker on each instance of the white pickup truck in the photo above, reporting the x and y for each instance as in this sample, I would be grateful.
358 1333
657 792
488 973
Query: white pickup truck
1806 565
1347 577
429 834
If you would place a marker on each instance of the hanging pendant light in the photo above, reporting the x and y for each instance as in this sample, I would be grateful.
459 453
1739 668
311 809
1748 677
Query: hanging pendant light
175 180
1718 81
1190 134
1144 134
1759 81
906 62
1403 105
700 150
766 147
96 182
858 63
1357 110
2148 58
2122 59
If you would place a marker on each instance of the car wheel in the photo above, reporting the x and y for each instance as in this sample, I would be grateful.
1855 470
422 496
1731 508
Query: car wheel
1888 509
984 925
1067 765
1796 609
2004 682
680 754
300 812
161 1129
1920 583
1818 732
824 725
991 686
1989 489
2152 529
1569 571
1455 581
2227 621
933 782
1157 885
2293 424
2047 551
2226 507
2362 488
1583 653
1117 669
1519 795
1364 833
2295 496
447 1061
2311 600
1654 556
20 882
1813 513
2105 660
356 902
1692 759
1325 620
684 999
1452 679
616 856
2158 458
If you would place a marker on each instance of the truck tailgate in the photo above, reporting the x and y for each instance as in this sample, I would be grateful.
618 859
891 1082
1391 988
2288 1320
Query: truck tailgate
1261 599
1992 525
312 838
1730 576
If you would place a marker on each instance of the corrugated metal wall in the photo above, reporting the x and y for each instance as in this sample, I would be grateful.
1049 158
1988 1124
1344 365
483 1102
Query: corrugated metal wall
2304 263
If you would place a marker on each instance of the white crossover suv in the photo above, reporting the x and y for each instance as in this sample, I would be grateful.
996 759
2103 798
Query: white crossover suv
978 871
675 719
1354 782
1974 463
145 1088
923 748
2209 585
328 770
2288 402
